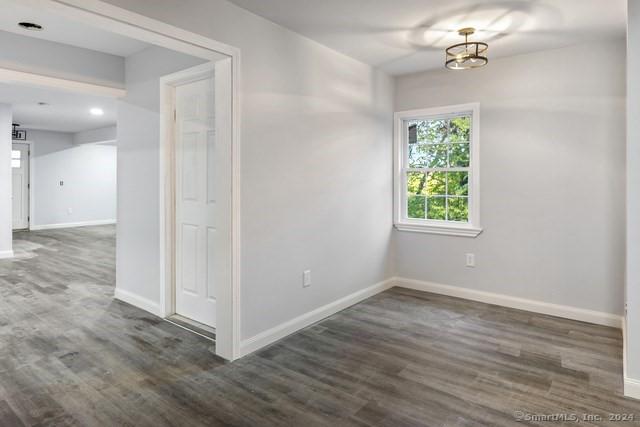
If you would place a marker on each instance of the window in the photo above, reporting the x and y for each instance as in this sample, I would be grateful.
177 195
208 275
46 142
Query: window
437 182
15 158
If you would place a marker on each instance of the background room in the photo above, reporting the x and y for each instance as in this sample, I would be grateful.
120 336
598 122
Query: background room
64 158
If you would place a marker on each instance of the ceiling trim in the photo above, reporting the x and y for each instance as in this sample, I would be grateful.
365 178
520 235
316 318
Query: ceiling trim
129 24
31 79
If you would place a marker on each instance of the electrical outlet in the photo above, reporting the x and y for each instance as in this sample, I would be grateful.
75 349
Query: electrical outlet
471 260
69 211
306 278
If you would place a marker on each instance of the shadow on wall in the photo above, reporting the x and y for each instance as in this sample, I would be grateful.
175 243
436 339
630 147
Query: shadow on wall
330 83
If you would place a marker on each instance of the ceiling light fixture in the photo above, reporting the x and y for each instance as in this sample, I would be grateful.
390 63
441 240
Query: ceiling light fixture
467 55
30 26
96 111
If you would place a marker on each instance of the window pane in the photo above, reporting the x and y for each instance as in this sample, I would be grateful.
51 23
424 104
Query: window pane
418 155
436 131
427 131
458 183
459 129
436 208
415 207
437 156
15 154
436 183
416 183
417 132
459 155
458 209
15 163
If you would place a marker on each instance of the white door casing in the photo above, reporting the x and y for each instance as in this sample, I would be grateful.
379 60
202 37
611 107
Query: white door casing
20 185
202 219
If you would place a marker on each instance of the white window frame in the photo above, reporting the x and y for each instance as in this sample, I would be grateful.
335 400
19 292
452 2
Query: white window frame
401 221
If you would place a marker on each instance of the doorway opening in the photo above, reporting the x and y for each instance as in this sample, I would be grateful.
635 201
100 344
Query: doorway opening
148 238
63 157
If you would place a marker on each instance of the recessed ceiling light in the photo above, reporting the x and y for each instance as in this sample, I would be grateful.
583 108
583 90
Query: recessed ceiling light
97 111
30 26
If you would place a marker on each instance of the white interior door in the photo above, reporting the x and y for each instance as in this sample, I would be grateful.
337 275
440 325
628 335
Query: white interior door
201 226
20 185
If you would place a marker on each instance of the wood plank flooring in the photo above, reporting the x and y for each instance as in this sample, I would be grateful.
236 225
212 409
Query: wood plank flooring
70 355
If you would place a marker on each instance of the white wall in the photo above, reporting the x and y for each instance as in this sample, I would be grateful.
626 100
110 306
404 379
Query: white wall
316 168
6 243
138 135
633 198
89 175
552 178
104 135
60 60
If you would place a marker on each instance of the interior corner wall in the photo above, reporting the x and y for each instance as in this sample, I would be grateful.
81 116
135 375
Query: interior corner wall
6 213
633 199
316 168
552 135
106 134
88 173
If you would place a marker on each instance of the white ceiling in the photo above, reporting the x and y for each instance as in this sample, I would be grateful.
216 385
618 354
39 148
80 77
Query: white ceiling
62 30
66 112
404 36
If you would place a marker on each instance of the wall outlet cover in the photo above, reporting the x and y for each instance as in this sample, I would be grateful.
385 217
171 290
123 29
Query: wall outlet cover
306 278
471 260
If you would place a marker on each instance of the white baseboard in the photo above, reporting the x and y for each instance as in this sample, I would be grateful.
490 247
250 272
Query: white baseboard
631 388
276 333
6 254
249 345
72 224
567 312
138 301
624 346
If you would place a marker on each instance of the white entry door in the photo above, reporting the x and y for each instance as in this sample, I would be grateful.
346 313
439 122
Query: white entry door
202 225
20 185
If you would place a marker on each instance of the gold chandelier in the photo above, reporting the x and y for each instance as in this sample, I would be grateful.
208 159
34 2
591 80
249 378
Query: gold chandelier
467 55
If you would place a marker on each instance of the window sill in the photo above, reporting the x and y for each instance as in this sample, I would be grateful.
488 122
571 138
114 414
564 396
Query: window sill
447 230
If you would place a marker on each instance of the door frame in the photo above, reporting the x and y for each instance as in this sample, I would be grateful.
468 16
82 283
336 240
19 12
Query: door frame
122 21
168 106
30 197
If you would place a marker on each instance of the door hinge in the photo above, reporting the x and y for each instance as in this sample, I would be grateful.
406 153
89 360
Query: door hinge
175 116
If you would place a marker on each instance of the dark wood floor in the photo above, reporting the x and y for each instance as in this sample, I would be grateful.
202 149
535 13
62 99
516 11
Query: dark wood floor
71 355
